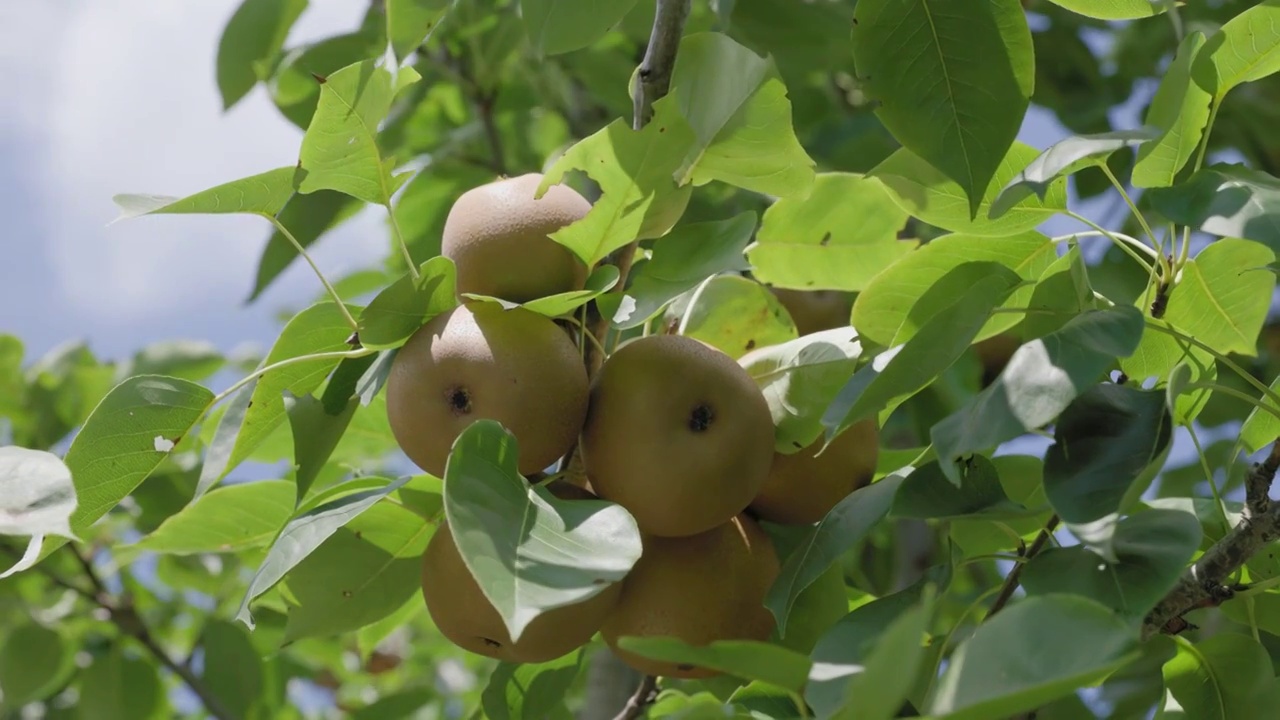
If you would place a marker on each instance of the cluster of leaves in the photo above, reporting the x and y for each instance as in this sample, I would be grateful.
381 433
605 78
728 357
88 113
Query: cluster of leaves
790 152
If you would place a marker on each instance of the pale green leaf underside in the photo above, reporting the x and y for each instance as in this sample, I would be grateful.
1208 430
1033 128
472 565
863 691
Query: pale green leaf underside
262 194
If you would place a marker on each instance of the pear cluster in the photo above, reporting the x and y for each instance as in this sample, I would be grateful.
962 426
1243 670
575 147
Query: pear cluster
671 429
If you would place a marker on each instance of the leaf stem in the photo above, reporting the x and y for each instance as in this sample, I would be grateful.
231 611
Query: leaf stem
323 280
1231 364
1015 574
339 354
693 302
1115 239
1225 390
1132 241
404 249
1142 221
1208 129
1208 473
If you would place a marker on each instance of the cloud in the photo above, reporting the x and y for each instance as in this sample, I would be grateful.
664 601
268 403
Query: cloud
130 104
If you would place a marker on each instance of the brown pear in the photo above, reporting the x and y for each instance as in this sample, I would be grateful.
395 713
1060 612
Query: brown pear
479 361
816 310
994 354
803 486
678 434
465 616
700 589
497 235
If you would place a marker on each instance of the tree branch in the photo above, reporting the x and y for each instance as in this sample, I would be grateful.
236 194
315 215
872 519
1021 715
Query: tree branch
1202 585
126 618
1015 574
643 698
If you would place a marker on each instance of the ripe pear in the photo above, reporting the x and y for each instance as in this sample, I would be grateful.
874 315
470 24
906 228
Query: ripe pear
465 616
816 310
497 235
677 433
479 361
803 487
700 589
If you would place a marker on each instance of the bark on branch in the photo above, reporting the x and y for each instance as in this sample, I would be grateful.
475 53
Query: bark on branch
643 698
1202 585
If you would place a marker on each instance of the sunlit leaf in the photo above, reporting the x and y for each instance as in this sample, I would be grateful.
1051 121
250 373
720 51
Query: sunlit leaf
37 495
528 550
635 171
407 304
681 260
1180 109
262 194
340 148
956 94
837 238
926 193
410 22
735 315
227 519
1226 200
737 106
799 379
1245 48
1220 677
746 659
900 300
1223 298
601 280
304 533
1114 9
529 690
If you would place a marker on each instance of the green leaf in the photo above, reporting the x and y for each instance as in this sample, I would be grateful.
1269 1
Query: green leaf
294 87
35 662
396 705
263 194
681 260
746 659
304 533
1261 428
410 22
924 192
1113 9
1157 356
253 36
1061 293
529 691
1003 669
737 106
878 683
316 432
529 551
360 574
227 519
847 523
116 686
1220 677
1042 378
307 217
129 433
37 498
800 378
1245 49
406 305
601 280
764 700
555 27
1152 549
1065 157
424 204
956 94
1104 442
635 172
735 315
1223 298
321 328
192 360
1180 109
927 494
837 238
1225 200
902 371
340 148
900 300
233 669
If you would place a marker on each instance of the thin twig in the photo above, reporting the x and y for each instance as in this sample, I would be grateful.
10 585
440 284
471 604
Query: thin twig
126 619
1015 573
1203 584
640 700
